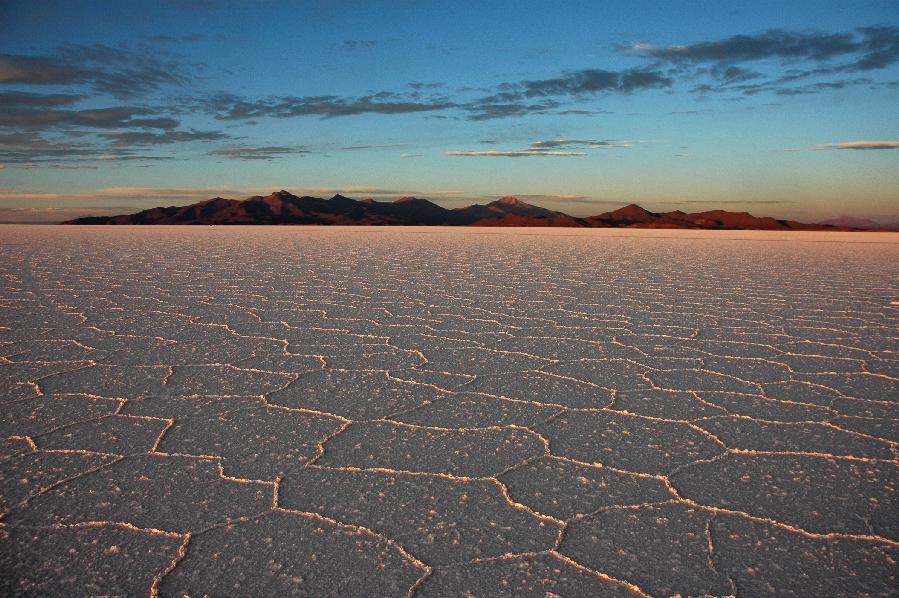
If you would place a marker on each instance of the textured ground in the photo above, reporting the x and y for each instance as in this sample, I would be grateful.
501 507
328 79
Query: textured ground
249 411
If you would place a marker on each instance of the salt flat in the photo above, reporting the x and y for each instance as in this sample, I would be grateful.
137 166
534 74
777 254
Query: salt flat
380 411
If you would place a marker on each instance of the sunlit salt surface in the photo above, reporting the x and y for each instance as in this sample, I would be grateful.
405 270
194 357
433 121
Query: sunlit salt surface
381 411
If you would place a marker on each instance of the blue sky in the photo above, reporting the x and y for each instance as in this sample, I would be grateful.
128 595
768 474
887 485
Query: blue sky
788 109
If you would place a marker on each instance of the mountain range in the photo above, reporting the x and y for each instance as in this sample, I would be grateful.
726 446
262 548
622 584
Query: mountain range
860 223
282 207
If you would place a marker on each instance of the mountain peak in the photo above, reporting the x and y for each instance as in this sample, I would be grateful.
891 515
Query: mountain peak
511 200
339 197
632 211
405 198
632 207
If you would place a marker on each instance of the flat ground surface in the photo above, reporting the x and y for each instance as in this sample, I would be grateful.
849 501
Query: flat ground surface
371 411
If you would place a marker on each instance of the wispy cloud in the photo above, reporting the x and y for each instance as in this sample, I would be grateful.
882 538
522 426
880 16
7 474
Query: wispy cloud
28 149
418 85
129 157
798 55
129 138
774 43
174 193
540 96
594 81
39 70
359 44
97 118
23 99
515 154
269 152
866 48
860 145
511 99
582 112
550 147
582 143
410 155
117 71
375 147
494 107
165 192
178 39
16 194
718 62
231 107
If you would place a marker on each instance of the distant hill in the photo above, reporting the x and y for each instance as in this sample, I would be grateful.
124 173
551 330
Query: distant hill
283 207
859 223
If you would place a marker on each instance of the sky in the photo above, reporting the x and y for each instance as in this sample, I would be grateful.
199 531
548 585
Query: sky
786 109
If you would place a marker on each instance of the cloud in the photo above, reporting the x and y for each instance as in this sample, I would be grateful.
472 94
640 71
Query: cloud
864 49
72 166
581 143
551 147
812 87
773 43
417 85
100 118
7 194
356 44
783 86
119 72
374 147
582 112
487 109
729 74
178 39
23 99
807 54
594 81
39 70
515 154
860 145
231 107
129 138
410 155
129 193
510 100
128 157
541 96
270 152
166 192
26 148
880 47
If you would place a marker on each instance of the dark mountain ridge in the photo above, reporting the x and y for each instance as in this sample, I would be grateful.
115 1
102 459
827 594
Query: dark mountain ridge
282 207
